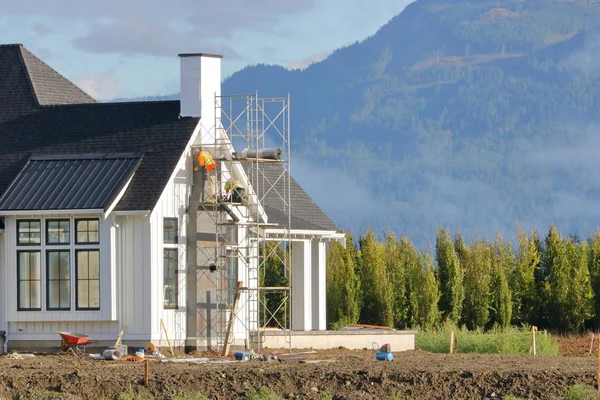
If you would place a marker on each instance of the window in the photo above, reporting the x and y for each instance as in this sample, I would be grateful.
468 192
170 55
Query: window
88 231
171 283
88 279
28 232
29 287
58 231
170 230
58 265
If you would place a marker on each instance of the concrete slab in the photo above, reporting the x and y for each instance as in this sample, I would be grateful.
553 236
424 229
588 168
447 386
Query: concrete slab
350 339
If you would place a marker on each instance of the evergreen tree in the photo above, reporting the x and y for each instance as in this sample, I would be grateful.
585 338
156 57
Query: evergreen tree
477 285
556 288
579 300
503 261
423 292
377 307
343 285
450 276
525 299
397 255
594 269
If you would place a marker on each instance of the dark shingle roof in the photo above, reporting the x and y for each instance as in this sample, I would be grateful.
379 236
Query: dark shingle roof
73 182
26 83
152 128
50 87
42 113
270 186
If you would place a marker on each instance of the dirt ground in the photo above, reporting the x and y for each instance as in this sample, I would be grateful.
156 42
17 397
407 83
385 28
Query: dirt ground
413 374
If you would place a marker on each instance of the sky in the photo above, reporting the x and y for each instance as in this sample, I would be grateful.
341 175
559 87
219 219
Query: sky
116 48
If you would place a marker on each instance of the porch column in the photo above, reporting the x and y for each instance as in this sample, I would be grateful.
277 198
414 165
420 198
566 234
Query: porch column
301 286
319 317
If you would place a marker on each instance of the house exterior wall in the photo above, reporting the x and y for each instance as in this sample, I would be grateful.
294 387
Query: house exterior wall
173 203
44 325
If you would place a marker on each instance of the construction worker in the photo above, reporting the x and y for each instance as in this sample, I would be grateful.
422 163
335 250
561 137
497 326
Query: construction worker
205 159
234 191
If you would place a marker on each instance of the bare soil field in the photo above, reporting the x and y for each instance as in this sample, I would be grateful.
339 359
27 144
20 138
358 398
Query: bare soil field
413 374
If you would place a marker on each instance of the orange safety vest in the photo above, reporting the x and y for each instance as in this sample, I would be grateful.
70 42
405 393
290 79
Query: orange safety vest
205 159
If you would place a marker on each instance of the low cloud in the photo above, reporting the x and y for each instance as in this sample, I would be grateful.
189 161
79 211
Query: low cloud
587 59
100 87
305 62
41 29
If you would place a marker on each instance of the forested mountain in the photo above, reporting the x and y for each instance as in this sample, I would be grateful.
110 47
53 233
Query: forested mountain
468 114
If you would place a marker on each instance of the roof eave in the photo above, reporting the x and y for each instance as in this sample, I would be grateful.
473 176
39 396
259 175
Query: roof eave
50 212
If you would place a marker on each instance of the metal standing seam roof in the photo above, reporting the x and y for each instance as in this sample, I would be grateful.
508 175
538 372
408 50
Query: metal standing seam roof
70 182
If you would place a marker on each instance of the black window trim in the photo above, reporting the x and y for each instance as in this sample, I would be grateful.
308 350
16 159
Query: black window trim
70 233
48 279
29 220
176 230
19 308
176 305
77 242
77 308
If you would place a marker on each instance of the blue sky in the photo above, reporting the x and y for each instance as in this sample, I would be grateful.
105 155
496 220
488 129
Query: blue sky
128 48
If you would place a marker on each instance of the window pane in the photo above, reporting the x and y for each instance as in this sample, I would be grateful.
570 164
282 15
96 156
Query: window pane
170 230
65 293
93 237
24 266
82 226
53 294
94 295
65 236
35 265
170 283
82 294
94 264
82 265
65 265
36 294
93 225
23 294
53 265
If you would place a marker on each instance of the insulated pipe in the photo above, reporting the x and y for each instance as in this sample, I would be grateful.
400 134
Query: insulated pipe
111 354
274 153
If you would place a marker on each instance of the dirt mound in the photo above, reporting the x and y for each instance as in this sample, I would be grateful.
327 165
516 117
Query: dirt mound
414 374
577 345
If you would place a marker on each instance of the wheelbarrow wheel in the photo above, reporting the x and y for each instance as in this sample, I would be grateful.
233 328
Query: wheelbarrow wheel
65 349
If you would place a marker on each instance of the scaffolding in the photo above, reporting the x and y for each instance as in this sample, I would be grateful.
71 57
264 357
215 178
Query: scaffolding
243 279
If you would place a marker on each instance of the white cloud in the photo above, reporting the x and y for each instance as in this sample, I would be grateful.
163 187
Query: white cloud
102 87
586 60
305 62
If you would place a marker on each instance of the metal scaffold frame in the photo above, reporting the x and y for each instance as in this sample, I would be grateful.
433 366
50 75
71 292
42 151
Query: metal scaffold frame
236 266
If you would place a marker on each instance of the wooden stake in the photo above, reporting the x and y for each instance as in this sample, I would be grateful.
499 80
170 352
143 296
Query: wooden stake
592 343
598 366
232 318
146 369
167 335
451 341
533 328
120 336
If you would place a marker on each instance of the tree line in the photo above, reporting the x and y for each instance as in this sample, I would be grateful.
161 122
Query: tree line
552 282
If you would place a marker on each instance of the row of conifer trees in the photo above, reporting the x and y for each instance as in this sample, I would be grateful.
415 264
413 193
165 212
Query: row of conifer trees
552 282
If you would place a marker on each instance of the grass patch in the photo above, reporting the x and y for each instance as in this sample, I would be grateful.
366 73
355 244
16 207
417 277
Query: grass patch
581 392
189 396
264 393
506 341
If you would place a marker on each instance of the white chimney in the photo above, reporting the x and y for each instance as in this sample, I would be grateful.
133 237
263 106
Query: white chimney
200 76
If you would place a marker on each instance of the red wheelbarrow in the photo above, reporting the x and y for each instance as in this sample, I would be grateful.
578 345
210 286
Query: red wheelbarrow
72 341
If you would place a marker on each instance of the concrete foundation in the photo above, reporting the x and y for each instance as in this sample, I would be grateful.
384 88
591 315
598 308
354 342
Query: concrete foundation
320 340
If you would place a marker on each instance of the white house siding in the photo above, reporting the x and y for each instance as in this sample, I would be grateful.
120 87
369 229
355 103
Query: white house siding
44 325
172 204
134 276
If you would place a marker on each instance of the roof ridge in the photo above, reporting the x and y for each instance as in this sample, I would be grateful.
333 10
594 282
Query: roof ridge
29 53
20 48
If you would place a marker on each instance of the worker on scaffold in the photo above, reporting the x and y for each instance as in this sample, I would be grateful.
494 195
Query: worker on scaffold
234 191
206 160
